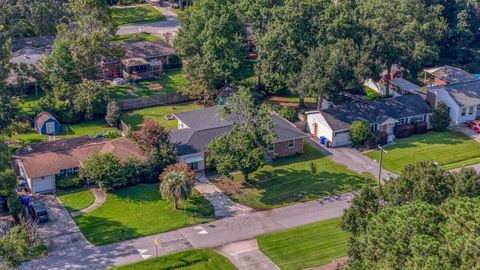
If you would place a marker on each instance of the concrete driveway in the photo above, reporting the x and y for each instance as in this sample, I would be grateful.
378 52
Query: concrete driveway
467 131
60 232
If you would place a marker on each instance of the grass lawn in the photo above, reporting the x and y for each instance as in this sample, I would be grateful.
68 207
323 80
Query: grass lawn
76 200
131 15
171 82
290 180
196 259
451 150
306 246
140 211
136 118
371 94
135 36
84 128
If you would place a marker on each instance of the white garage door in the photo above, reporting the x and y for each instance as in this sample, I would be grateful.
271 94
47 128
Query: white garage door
341 139
43 185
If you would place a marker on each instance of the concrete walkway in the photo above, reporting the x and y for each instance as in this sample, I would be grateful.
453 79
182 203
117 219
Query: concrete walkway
100 198
211 235
247 256
168 26
353 159
223 205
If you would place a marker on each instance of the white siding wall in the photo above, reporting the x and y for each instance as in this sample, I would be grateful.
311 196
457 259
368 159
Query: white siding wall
323 127
467 117
443 96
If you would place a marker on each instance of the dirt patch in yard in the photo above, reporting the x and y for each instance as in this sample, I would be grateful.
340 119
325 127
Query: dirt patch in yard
228 186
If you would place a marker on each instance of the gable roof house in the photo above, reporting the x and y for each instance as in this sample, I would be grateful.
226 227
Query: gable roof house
462 99
197 128
47 124
40 163
142 60
384 115
448 75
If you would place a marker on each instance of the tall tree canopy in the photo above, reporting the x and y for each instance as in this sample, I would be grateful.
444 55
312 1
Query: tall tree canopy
402 32
212 42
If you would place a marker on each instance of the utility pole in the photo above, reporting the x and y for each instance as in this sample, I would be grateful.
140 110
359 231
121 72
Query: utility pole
380 163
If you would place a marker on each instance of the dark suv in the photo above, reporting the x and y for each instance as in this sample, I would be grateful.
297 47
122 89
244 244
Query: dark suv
38 211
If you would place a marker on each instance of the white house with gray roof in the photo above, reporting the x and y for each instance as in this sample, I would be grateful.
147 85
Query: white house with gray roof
382 115
462 99
197 128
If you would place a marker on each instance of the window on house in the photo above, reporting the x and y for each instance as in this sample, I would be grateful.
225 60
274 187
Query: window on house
464 111
373 127
401 121
470 110
291 143
419 118
271 148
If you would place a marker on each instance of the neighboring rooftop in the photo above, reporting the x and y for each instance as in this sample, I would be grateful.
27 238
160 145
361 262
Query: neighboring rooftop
29 55
147 49
464 94
378 111
42 118
405 85
205 125
450 74
48 158
35 42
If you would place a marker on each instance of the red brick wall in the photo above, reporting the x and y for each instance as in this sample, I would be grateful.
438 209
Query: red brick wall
438 82
282 150
431 98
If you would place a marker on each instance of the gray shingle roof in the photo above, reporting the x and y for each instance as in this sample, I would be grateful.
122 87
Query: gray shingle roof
147 49
464 94
405 84
451 74
205 126
377 111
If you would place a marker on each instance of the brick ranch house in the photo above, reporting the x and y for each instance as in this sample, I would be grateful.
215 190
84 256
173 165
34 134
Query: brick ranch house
197 128
41 163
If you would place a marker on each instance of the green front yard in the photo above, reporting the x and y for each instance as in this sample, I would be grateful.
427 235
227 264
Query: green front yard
131 15
170 82
196 259
76 200
84 128
140 211
451 150
290 180
306 246
136 118
135 37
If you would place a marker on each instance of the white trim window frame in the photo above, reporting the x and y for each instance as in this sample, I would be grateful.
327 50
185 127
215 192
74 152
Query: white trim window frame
291 144
464 111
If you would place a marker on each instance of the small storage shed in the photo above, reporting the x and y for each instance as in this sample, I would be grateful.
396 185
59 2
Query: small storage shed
46 124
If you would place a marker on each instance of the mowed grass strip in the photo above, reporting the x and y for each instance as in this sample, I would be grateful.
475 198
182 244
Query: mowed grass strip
289 180
76 200
131 15
306 246
451 150
170 82
136 118
196 259
140 211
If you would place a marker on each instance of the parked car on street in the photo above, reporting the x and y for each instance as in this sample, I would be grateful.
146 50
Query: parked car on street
475 125
38 211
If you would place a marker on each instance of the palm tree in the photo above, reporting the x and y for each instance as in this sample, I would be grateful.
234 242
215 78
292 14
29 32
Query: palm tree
175 186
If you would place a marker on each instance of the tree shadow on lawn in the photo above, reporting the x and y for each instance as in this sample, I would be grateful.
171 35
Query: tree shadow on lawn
102 231
134 120
289 185
431 137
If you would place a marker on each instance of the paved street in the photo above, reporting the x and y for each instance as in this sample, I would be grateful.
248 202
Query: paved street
170 25
210 235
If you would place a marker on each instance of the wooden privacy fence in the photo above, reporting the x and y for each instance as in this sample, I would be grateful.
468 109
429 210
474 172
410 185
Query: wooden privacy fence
143 102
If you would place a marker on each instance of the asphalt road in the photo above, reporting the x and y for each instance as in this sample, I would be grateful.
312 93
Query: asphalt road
170 25
210 235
